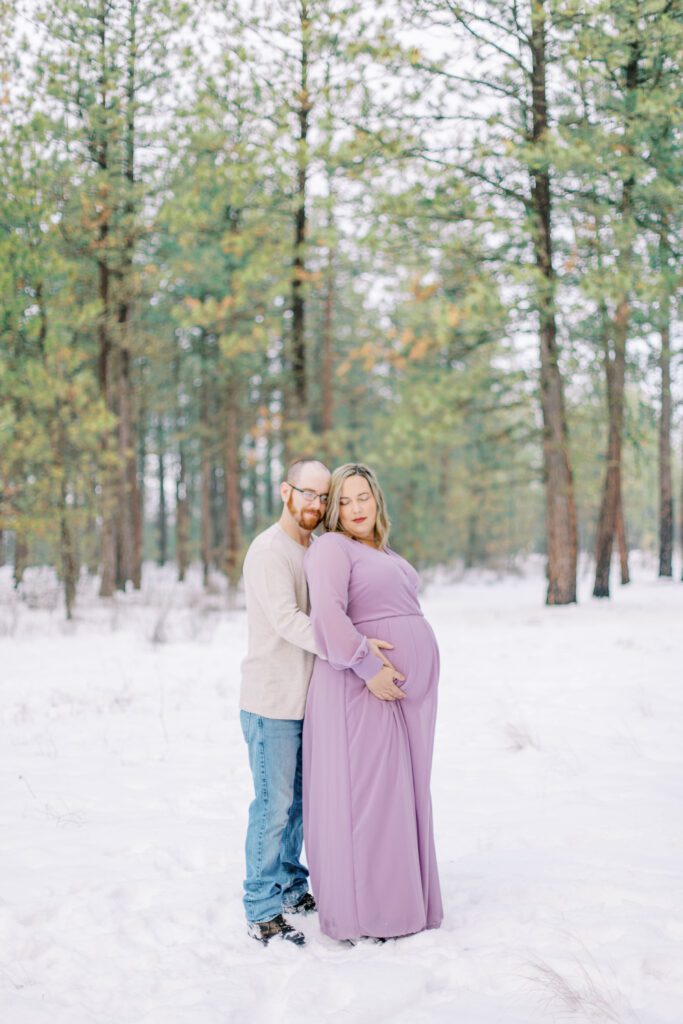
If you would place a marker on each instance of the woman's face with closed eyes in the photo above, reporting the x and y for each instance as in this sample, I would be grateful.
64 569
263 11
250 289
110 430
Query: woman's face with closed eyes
358 509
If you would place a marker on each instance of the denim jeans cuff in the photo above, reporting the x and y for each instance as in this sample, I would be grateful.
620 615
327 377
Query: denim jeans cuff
262 913
292 896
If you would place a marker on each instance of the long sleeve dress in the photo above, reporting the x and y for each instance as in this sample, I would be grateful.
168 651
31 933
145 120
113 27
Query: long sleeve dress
366 762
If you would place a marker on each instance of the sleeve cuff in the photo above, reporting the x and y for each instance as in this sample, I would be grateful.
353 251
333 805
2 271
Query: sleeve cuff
368 666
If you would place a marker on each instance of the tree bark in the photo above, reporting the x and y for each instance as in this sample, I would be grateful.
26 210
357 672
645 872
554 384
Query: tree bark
267 395
251 494
218 498
205 465
182 515
682 515
138 468
666 511
163 520
69 563
298 352
129 513
233 502
327 360
108 577
615 369
561 525
472 546
622 543
268 476
128 489
20 557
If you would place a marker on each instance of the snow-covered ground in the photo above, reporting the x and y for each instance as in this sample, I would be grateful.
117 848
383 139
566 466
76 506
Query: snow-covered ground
558 797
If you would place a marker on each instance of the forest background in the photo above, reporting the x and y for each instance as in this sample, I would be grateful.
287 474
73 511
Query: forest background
441 238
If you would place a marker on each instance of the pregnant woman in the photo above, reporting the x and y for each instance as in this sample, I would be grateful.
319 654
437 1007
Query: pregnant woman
367 742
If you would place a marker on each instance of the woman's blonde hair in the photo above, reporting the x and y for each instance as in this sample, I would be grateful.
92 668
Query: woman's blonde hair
382 522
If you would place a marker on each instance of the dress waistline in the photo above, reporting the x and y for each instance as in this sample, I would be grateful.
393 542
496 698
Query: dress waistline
382 618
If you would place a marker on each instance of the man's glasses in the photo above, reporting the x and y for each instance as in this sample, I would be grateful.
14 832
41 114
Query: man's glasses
309 495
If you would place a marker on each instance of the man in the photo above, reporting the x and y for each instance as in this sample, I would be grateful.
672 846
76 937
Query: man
275 677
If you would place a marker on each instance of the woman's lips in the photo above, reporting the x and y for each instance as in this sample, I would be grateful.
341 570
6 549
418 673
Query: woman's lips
361 519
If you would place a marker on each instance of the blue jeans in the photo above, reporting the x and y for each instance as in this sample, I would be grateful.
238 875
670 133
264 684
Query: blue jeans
276 878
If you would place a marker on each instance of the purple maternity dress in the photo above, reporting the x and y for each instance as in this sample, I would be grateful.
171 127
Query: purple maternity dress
367 762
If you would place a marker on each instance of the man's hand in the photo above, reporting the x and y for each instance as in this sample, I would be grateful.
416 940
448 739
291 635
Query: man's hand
382 685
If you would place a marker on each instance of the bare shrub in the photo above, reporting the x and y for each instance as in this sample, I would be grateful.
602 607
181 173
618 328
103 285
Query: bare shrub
520 737
582 993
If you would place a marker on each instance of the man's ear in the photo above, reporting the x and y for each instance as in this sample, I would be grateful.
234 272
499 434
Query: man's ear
284 491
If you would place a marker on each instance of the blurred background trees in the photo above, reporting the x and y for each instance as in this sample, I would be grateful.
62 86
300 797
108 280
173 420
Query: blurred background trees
441 238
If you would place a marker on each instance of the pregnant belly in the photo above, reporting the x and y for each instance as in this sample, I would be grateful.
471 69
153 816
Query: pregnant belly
415 652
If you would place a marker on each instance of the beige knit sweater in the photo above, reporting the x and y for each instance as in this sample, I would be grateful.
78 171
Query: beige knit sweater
280 650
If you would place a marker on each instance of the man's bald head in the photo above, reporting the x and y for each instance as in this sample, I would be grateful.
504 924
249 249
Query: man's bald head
300 467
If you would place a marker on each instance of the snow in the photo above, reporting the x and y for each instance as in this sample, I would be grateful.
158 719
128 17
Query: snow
557 789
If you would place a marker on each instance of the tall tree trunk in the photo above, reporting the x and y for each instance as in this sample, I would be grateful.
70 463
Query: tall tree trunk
327 348
472 546
666 511
90 532
127 490
69 562
163 519
182 516
622 543
268 476
108 577
2 547
615 368
252 495
561 527
268 507
327 360
217 513
139 506
205 464
233 500
444 476
20 557
682 514
298 353
129 498
108 569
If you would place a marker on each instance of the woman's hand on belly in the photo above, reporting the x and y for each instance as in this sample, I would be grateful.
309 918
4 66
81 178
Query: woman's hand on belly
377 646
383 686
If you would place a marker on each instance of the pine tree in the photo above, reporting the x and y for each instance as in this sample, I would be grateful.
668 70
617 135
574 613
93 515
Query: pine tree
103 69
509 159
623 63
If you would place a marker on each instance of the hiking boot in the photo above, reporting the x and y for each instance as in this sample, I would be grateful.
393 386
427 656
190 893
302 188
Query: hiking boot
305 905
264 931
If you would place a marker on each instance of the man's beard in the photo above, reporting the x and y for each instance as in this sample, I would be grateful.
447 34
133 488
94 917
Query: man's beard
306 518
